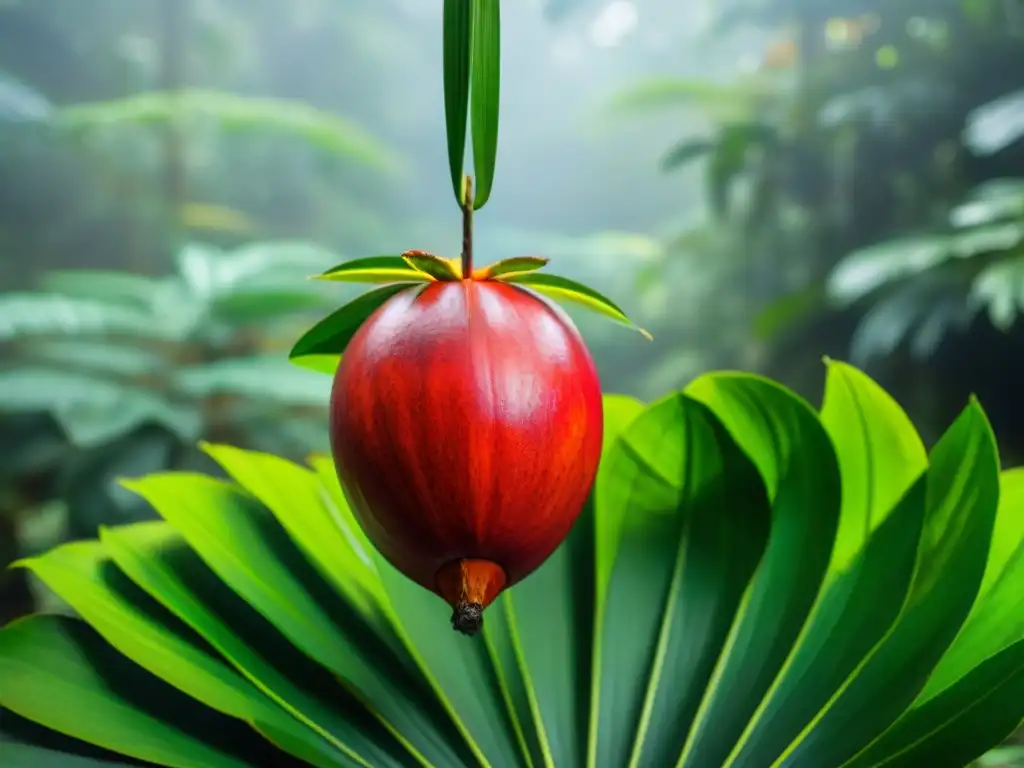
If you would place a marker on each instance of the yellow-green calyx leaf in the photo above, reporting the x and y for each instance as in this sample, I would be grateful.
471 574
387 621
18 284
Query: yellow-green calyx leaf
375 269
514 266
435 267
564 289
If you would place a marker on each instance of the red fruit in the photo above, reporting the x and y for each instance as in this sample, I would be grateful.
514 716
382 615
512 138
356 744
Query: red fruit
466 427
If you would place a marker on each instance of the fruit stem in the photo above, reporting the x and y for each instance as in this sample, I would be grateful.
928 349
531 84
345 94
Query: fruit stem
469 586
467 228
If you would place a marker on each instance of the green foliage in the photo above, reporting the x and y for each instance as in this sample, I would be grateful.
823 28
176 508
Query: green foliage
108 374
321 347
751 583
472 76
230 112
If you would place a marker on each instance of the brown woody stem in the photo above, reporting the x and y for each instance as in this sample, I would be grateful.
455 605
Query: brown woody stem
467 229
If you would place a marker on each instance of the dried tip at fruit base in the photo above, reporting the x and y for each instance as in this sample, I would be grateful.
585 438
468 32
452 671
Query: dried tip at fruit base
470 586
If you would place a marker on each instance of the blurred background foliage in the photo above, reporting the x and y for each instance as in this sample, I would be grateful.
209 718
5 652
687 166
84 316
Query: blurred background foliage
758 182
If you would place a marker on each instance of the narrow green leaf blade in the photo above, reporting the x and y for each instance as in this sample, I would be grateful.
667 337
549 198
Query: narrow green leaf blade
880 455
458 668
959 724
997 618
550 619
54 670
251 553
374 269
320 348
458 44
696 522
962 495
515 265
857 608
783 437
157 559
562 288
83 576
485 88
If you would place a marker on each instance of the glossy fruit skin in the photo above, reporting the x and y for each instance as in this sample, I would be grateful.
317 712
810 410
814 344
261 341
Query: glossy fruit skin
466 422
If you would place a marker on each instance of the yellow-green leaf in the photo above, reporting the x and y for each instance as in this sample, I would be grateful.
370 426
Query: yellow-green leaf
514 266
375 269
564 289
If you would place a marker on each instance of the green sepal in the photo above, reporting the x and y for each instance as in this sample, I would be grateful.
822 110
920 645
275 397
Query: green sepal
517 265
562 288
436 267
375 269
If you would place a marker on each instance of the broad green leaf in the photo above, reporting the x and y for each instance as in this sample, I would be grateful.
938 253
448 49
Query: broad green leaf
696 522
289 740
458 44
978 712
39 314
157 559
234 113
434 266
794 455
83 575
256 305
961 498
997 618
485 89
458 668
15 755
514 265
548 620
295 495
104 357
569 290
855 611
502 640
92 409
57 672
250 553
880 455
110 286
329 337
375 269
267 378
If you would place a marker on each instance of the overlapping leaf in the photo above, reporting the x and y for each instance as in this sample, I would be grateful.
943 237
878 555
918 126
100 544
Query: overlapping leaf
719 602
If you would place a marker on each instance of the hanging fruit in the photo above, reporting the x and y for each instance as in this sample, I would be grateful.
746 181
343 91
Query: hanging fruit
466 413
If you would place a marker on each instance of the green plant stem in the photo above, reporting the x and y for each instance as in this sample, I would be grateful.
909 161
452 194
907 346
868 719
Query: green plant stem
467 228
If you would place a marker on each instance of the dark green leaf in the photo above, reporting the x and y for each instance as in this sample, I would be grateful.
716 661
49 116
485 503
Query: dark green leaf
962 494
249 551
549 620
57 672
158 560
321 346
794 455
695 521
569 290
458 44
485 88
